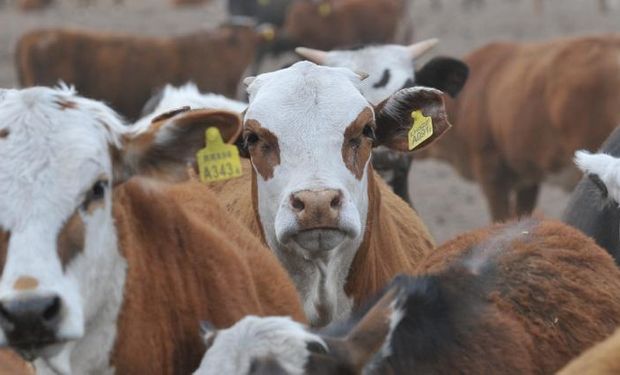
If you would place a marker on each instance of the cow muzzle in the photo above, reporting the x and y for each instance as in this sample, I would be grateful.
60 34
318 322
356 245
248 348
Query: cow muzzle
30 323
317 216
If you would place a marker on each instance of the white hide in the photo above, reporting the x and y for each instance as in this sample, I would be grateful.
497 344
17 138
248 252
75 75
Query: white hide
189 95
605 166
251 338
308 107
51 159
375 61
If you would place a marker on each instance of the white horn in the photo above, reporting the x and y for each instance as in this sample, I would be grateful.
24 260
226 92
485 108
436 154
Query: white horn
418 49
314 55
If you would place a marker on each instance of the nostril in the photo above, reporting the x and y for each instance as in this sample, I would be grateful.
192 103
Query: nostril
52 311
336 202
297 204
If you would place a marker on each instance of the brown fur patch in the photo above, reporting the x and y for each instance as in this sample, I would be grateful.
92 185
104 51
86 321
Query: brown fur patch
356 148
25 283
5 236
71 239
265 154
4 133
188 261
66 104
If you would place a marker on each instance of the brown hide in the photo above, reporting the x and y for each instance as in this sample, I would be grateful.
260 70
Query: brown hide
188 261
395 238
349 22
12 364
125 70
602 359
556 283
526 108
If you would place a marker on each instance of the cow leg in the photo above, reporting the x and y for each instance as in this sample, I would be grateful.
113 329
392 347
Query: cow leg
526 199
496 182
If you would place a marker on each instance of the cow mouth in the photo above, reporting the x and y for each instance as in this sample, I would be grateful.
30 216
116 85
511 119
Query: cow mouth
320 239
33 349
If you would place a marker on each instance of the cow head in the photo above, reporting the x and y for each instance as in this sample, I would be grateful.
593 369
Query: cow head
282 346
61 270
390 68
309 133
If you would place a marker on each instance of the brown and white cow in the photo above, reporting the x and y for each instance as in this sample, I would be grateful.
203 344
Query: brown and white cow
524 111
313 195
516 298
101 273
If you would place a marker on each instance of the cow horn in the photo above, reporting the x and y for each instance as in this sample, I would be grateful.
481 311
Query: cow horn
314 55
418 49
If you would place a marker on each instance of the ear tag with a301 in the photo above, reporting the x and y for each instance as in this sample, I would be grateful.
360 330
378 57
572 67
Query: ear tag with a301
218 161
421 129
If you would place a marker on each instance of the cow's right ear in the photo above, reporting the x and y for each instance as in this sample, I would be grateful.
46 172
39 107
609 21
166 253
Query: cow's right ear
395 118
169 145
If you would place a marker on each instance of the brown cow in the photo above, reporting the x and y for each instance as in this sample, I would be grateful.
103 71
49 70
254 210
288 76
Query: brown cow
103 274
100 64
519 298
524 111
312 193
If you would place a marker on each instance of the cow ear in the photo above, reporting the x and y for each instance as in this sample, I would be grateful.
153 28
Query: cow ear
395 118
169 145
443 73
370 334
602 169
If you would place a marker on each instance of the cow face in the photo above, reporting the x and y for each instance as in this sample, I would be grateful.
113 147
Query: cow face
391 68
309 133
62 271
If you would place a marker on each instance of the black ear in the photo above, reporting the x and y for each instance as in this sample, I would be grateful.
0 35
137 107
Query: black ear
443 73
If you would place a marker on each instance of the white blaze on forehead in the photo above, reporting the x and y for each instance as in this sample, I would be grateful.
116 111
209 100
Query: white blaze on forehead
606 167
376 61
252 338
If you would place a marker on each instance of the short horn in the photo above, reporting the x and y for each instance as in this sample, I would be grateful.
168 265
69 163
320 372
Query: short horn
418 49
314 55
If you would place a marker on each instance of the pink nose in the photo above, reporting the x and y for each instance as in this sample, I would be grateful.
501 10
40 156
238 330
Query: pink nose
317 208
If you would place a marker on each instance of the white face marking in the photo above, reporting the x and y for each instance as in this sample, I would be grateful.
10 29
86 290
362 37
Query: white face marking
52 158
375 61
252 338
308 108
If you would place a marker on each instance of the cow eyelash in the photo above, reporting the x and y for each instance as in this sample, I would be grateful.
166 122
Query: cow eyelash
250 139
369 132
96 192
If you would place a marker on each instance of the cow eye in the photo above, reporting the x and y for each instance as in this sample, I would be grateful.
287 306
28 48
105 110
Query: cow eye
250 139
369 131
98 190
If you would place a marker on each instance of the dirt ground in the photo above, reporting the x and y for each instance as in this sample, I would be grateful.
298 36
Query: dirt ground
447 203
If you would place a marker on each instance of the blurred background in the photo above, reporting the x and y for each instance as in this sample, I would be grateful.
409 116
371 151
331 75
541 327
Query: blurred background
447 203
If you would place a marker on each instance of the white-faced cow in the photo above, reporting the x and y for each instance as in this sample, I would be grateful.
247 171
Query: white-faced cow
517 298
391 68
313 195
101 273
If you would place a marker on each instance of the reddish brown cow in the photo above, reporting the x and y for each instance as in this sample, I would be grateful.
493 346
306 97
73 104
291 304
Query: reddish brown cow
524 111
125 70
519 298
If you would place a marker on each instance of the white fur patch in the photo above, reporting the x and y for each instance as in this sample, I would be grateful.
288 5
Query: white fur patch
605 166
251 338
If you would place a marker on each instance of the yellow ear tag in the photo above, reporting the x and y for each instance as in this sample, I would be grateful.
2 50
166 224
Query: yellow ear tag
218 161
268 33
421 129
325 9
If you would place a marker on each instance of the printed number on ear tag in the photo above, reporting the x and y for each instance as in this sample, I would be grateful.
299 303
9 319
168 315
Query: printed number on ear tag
325 9
421 129
218 161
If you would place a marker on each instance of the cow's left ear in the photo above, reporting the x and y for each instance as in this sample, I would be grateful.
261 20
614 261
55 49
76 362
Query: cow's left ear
169 145
395 118
443 73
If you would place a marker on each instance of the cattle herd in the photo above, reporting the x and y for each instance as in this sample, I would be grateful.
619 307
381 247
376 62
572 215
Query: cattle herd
119 256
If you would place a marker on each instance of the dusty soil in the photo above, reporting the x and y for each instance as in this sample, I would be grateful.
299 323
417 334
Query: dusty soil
447 203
